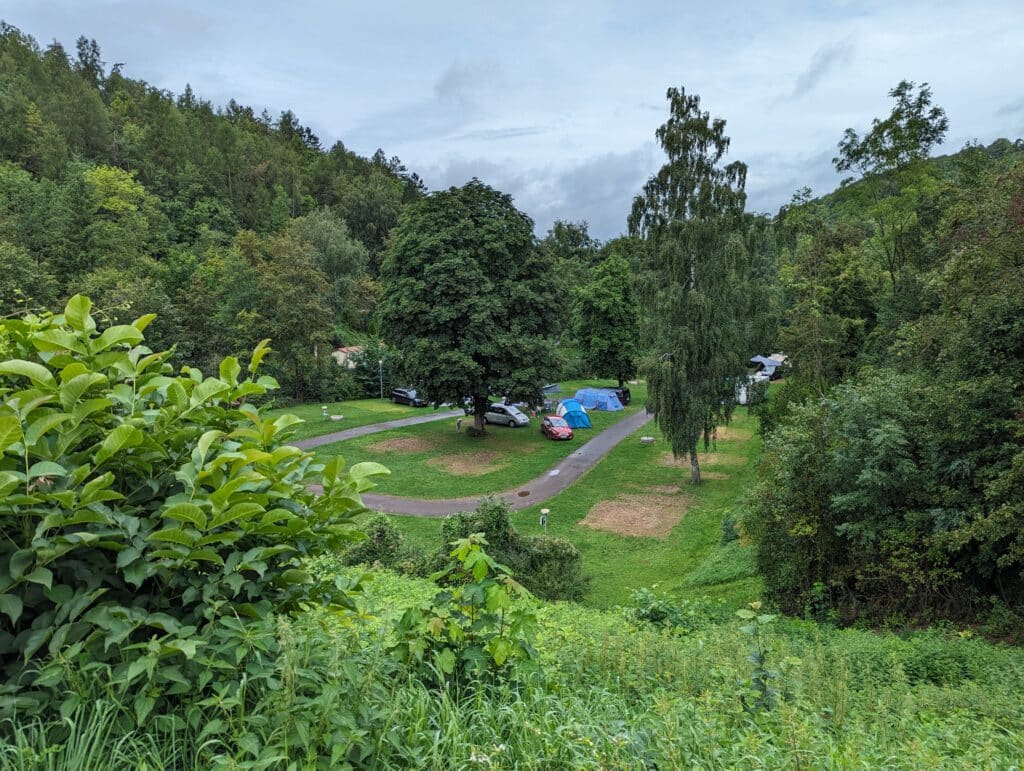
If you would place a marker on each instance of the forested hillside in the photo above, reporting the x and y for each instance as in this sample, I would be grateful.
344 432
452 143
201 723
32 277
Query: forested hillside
893 484
231 226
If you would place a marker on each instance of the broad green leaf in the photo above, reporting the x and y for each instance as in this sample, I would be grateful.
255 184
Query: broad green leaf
238 511
43 425
368 469
262 349
37 373
75 388
205 555
121 437
76 314
20 561
8 481
296 576
118 335
286 420
203 446
58 340
88 407
144 321
207 391
177 396
42 576
92 490
173 535
46 468
143 706
10 431
230 370
186 512
11 605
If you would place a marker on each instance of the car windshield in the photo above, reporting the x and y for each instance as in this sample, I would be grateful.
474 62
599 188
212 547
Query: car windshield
514 412
560 422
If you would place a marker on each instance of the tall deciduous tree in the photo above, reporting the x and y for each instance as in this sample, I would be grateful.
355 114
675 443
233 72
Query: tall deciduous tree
467 299
894 183
695 281
605 318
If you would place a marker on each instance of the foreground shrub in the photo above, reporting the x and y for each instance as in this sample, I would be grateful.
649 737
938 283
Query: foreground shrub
472 629
551 568
152 522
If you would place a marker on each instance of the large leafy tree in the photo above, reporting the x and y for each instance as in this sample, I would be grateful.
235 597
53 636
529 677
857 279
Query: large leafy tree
605 318
467 299
696 279
895 185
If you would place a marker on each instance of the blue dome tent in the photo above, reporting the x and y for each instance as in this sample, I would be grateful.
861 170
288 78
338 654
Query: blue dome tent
599 399
574 414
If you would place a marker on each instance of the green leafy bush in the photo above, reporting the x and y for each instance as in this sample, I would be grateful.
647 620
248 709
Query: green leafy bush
662 612
551 568
152 522
384 545
473 628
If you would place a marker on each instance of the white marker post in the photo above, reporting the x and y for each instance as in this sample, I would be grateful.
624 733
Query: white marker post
544 519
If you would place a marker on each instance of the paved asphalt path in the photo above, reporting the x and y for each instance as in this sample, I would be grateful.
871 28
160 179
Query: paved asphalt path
373 428
552 482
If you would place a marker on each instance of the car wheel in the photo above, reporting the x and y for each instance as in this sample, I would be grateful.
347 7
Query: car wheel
511 422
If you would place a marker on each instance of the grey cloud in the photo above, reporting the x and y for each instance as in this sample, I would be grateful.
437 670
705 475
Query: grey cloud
599 190
462 94
497 134
824 59
772 179
1011 108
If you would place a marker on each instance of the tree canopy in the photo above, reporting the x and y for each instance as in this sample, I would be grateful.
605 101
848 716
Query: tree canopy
695 281
467 299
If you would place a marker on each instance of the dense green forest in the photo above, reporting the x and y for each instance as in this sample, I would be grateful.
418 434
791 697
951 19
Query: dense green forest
892 484
231 226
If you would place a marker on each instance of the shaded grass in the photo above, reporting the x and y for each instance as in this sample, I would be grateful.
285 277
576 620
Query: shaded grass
514 456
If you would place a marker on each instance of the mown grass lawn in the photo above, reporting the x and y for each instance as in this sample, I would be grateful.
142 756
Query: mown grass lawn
434 460
358 412
363 412
691 560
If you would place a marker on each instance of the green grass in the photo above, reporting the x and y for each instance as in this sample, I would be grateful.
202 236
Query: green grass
689 562
608 694
363 412
509 456
359 412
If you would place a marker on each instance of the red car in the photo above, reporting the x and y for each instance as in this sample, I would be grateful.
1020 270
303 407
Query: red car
555 428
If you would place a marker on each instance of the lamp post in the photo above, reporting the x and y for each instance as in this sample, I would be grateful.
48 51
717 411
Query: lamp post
380 371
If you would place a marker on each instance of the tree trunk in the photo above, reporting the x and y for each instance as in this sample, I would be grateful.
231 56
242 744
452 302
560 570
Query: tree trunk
694 464
480 405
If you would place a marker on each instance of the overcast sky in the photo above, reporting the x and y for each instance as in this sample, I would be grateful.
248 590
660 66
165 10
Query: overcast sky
557 103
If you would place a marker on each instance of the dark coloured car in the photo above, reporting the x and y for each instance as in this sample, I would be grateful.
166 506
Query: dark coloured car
622 392
554 427
407 396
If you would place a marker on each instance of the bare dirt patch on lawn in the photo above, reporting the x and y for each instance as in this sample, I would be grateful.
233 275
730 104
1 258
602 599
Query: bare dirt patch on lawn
402 444
730 433
705 459
468 465
653 514
714 475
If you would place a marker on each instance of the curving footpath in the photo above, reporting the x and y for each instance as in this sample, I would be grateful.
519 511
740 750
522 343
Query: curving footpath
373 428
548 485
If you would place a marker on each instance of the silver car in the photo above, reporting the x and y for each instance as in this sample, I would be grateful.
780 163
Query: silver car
506 415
